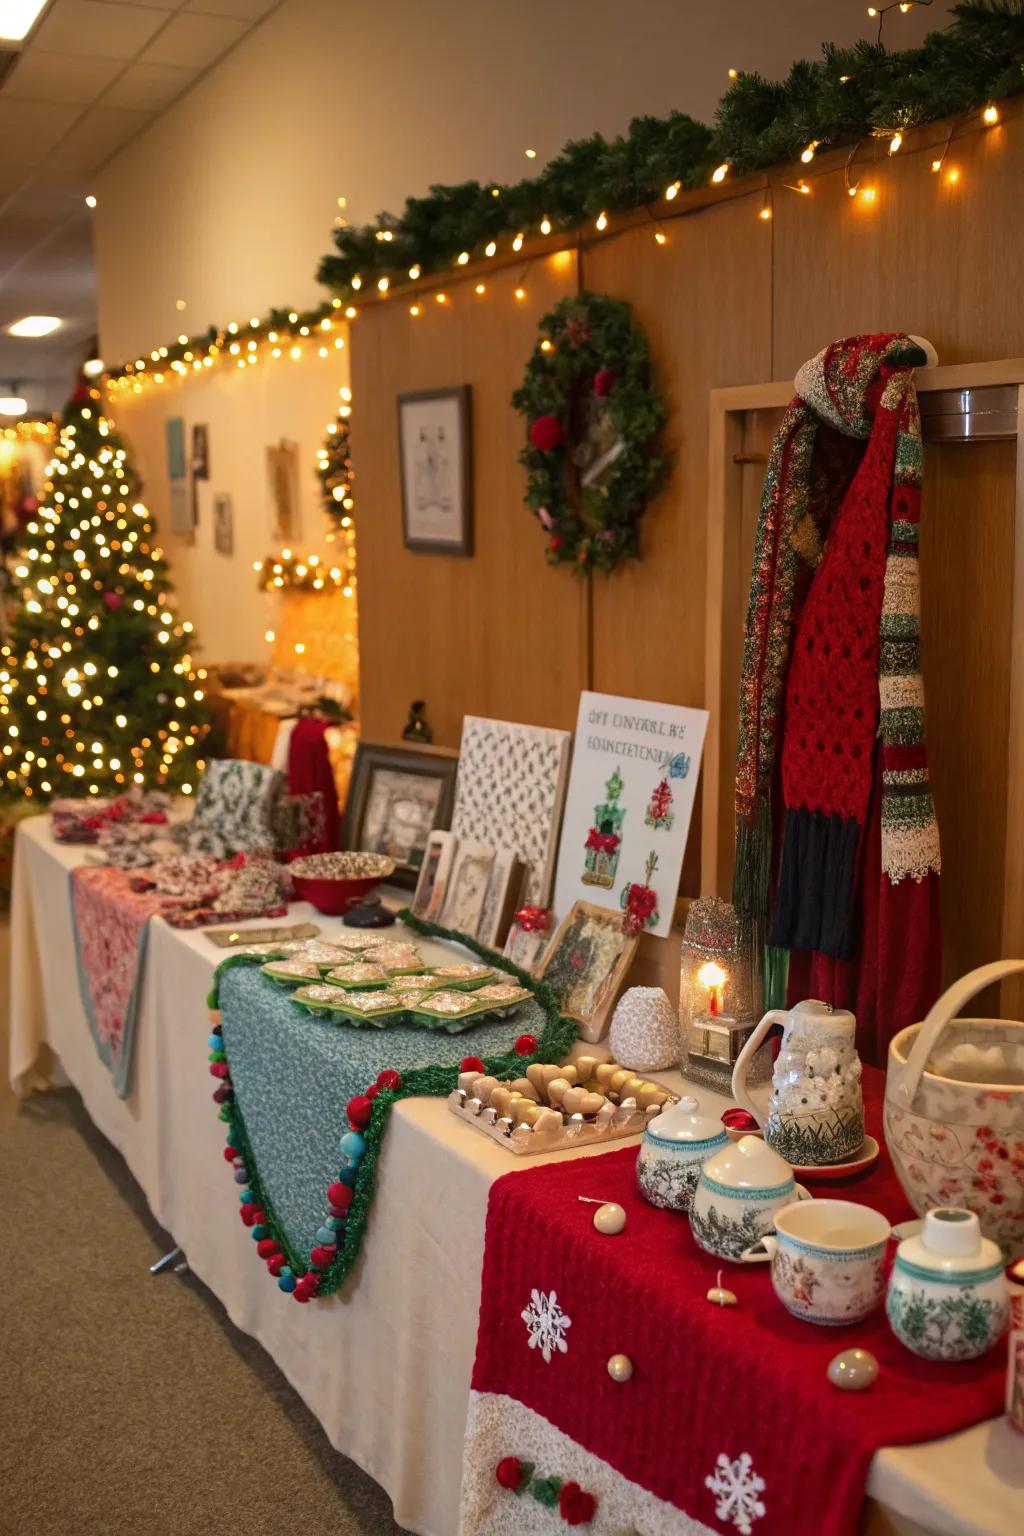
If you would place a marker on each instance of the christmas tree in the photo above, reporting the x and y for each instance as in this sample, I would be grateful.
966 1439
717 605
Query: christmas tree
98 689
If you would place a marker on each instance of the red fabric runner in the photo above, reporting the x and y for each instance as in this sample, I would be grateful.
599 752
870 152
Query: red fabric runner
709 1382
109 921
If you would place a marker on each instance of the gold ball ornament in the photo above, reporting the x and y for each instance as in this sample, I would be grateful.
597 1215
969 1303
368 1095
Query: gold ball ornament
620 1368
853 1370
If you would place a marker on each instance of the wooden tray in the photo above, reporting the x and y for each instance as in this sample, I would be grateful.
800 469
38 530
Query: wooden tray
613 1123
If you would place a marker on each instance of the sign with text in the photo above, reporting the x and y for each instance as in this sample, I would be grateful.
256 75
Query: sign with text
627 817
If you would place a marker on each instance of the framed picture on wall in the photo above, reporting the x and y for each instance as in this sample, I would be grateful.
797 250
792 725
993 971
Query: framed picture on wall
397 797
283 471
200 451
223 526
435 452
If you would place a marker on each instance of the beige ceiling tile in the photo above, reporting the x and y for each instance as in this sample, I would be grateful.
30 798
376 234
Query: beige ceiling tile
194 41
101 132
30 129
244 10
95 29
149 87
61 77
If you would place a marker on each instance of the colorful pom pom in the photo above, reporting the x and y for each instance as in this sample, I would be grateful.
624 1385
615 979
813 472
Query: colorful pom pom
372 1091
221 1094
276 1263
286 1280
525 1045
248 1213
359 1110
546 433
349 1175
323 1255
257 1230
325 1234
216 1042
218 1069
353 1144
471 1064
389 1078
510 1471
241 1175
230 1154
267 1247
340 1195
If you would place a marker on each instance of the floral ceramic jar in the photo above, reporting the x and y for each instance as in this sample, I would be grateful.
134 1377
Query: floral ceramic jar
676 1143
947 1297
740 1188
954 1111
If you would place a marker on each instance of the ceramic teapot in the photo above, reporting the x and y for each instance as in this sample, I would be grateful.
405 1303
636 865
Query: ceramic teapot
740 1188
816 1112
676 1143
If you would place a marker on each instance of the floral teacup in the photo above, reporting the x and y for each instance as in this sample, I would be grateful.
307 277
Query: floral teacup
827 1259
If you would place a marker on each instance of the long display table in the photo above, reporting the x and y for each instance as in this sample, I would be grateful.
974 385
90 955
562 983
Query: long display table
385 1366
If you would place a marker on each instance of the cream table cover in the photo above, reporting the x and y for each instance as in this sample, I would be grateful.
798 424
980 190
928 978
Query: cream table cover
414 1297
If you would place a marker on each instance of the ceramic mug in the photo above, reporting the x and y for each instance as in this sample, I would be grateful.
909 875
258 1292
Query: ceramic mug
827 1259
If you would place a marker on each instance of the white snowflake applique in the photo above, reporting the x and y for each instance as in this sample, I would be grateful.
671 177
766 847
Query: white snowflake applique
737 1487
546 1324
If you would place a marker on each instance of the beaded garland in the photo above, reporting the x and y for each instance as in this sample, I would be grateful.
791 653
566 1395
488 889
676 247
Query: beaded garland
349 1197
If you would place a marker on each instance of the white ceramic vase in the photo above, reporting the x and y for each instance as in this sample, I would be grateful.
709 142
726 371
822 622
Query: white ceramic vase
947 1297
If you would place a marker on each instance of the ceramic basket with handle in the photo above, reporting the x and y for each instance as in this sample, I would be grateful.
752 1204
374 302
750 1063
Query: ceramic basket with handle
954 1110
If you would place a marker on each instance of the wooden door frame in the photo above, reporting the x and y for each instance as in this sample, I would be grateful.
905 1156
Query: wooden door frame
727 589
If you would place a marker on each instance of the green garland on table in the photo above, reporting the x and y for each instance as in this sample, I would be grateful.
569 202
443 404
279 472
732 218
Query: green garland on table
847 95
590 352
555 1042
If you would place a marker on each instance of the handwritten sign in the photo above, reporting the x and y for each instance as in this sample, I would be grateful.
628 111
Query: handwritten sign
627 817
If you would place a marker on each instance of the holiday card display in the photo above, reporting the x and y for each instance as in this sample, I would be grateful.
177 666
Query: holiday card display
586 963
95 640
305 1206
585 1338
592 414
627 817
510 791
552 1107
832 787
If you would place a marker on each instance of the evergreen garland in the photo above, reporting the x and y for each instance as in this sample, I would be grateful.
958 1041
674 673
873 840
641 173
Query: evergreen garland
846 95
589 350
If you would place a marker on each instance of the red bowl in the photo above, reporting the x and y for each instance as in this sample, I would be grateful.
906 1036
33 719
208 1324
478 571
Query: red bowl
334 897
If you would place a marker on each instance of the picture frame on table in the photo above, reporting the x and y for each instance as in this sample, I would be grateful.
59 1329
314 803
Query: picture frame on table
434 872
526 947
467 887
435 455
587 963
501 899
397 797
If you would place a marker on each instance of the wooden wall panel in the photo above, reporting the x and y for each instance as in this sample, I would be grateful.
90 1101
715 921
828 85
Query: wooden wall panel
927 256
501 633
704 302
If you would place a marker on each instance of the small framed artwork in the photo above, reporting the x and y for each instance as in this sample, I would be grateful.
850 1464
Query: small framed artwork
434 872
174 436
501 900
526 948
467 887
223 526
283 471
587 964
200 452
397 797
435 453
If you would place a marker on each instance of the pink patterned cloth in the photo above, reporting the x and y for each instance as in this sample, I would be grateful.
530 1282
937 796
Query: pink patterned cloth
110 925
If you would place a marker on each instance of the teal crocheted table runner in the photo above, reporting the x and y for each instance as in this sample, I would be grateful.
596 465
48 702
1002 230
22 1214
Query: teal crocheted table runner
302 1136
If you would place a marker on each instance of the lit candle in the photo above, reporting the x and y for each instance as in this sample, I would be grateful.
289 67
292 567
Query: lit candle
714 978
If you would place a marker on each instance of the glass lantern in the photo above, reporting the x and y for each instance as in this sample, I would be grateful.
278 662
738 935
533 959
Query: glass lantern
718 1006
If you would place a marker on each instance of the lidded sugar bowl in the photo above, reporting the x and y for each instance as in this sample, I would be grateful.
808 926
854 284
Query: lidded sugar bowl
676 1143
739 1189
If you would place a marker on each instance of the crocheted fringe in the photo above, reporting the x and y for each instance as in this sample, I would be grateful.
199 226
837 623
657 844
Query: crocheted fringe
751 878
814 909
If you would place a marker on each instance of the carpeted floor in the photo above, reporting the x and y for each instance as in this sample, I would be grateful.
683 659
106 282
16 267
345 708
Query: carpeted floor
130 1406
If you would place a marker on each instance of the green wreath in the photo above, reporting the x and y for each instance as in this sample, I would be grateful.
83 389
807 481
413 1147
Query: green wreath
592 413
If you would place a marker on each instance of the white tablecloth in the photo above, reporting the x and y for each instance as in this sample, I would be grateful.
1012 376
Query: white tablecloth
385 1366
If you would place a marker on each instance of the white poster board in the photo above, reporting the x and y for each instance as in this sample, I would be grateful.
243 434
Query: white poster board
631 791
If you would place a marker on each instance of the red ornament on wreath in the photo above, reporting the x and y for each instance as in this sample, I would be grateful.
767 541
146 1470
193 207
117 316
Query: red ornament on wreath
588 391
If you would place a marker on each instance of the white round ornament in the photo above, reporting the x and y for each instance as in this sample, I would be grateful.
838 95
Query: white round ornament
610 1219
644 1034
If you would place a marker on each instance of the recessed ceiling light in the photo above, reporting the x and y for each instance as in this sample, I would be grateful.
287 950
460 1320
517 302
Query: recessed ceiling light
90 201
12 405
92 366
34 325
18 17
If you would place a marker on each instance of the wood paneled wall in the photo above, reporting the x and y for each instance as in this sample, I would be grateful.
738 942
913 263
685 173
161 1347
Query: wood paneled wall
730 299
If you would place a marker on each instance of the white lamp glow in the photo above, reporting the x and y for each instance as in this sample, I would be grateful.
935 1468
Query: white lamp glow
17 18
13 405
35 325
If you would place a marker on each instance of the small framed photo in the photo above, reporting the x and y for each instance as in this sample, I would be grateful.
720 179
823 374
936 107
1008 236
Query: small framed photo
587 964
223 526
504 888
467 887
200 451
526 947
435 450
397 797
434 872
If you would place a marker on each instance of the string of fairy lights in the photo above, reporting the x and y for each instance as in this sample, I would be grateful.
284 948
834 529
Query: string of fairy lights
99 523
317 330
